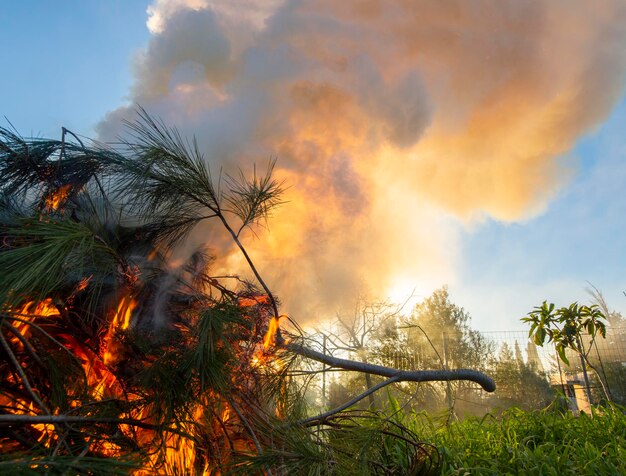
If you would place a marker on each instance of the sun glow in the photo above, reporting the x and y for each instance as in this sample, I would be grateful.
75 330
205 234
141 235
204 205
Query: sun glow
404 292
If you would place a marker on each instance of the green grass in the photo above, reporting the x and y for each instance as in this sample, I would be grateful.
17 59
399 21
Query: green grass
529 443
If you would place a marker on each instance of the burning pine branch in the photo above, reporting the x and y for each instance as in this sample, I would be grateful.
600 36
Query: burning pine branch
112 361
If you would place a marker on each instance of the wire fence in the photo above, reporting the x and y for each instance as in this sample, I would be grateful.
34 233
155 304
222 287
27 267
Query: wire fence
526 375
602 378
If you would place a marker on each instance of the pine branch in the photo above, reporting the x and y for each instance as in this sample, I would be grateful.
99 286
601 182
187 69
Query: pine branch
12 419
22 374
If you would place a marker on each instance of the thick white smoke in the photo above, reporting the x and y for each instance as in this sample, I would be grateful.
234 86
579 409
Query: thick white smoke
391 120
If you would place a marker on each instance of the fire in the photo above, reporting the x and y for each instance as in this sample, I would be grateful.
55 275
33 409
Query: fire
31 310
270 336
153 254
120 322
43 308
99 364
82 285
124 310
226 413
56 198
253 301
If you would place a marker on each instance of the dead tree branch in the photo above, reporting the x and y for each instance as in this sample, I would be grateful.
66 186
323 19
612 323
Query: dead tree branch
480 378
316 420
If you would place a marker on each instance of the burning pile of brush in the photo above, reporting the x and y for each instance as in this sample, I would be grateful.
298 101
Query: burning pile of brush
111 360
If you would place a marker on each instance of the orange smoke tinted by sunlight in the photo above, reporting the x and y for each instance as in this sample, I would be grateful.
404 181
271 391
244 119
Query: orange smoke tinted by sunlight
56 198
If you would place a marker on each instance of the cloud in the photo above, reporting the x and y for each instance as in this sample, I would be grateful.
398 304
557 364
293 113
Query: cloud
389 119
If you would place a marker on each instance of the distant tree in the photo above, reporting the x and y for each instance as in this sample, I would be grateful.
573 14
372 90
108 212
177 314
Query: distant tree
365 335
609 357
533 356
435 335
518 353
437 321
519 383
614 318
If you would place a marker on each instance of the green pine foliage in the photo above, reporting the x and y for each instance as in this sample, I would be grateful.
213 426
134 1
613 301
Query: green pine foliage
89 229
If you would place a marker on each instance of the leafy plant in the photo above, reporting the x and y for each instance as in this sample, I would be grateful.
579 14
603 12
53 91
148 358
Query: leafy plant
567 327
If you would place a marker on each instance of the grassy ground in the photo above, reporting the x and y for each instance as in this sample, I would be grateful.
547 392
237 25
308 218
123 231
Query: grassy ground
529 443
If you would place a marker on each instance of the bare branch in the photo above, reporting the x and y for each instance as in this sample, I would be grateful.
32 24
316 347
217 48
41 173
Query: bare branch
321 418
480 378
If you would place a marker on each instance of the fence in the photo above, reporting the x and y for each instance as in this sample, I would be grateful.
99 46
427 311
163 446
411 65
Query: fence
526 375
581 384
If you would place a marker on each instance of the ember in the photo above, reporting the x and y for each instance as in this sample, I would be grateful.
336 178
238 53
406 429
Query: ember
55 199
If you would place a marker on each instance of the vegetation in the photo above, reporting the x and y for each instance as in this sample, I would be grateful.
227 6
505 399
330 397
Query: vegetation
518 442
436 333
567 328
520 383
112 361
111 358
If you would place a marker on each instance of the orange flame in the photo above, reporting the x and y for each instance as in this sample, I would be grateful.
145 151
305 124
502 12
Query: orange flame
56 198
253 301
270 336
180 455
121 321
43 308
225 413
124 310
32 310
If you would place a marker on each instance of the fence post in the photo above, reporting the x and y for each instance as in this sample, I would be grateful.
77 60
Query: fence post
445 363
324 405
586 376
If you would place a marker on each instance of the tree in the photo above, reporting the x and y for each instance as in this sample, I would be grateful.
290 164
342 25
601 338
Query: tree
519 383
366 335
518 353
443 321
567 328
440 335
533 357
436 334
609 357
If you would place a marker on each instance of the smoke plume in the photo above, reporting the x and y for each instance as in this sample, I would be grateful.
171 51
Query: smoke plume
393 121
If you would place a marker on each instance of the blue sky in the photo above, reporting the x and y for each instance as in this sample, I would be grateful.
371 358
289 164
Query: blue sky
68 63
508 268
